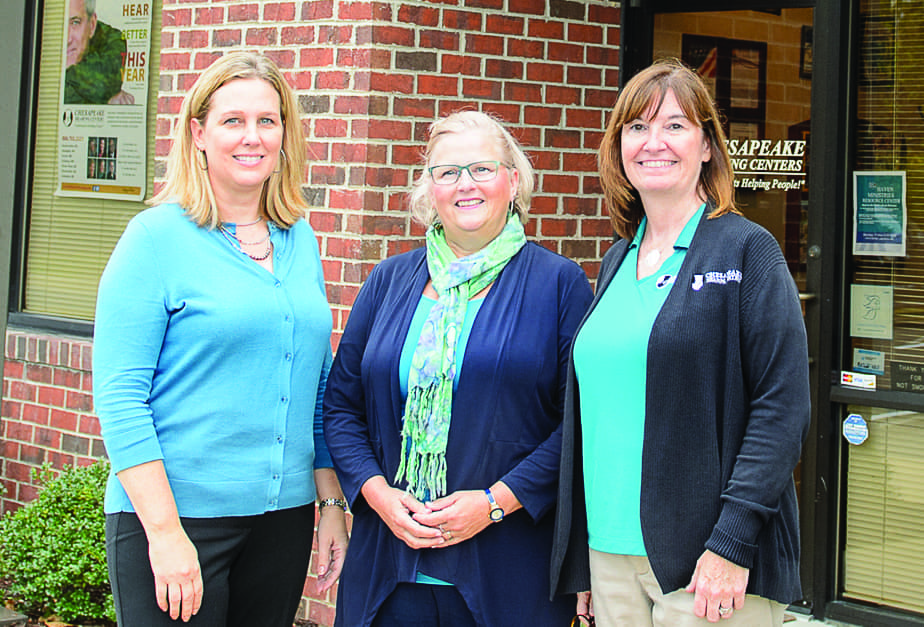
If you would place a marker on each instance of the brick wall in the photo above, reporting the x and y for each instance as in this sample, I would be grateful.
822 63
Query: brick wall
370 78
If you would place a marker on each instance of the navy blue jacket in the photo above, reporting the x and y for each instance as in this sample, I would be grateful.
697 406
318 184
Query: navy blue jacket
727 410
506 424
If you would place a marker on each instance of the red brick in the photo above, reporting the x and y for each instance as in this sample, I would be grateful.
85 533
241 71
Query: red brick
22 391
484 44
438 40
505 24
585 118
226 37
602 14
16 471
591 185
335 34
176 17
485 4
542 29
578 248
260 36
414 107
63 419
332 80
322 174
13 369
502 68
555 94
210 15
580 206
565 52
346 199
509 113
89 425
552 227
279 12
437 85
384 225
601 98
285 59
586 33
19 431
606 55
596 227
11 409
51 396
193 39
340 247
316 57
563 138
297 36
317 10
243 12
391 36
460 64
560 184
522 92
529 48
392 83
543 116
581 75
526 6
462 20
422 16
79 401
353 57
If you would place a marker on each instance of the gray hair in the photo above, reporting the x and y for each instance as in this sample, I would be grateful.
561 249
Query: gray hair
90 7
421 207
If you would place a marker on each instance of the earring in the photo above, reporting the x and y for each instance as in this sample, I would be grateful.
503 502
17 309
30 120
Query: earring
202 160
282 154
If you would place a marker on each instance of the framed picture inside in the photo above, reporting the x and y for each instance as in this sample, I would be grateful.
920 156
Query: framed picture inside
805 53
877 51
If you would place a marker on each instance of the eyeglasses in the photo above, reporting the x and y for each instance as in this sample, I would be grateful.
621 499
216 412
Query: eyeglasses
576 621
480 172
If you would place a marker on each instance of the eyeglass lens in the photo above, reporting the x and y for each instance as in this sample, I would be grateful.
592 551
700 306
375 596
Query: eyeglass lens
480 171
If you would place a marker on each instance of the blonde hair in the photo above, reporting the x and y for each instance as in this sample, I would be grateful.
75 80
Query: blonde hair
188 183
512 156
647 90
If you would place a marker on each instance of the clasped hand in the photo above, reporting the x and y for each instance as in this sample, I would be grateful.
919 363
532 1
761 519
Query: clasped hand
444 522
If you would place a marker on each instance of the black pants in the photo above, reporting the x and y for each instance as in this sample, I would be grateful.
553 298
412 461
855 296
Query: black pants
253 569
424 605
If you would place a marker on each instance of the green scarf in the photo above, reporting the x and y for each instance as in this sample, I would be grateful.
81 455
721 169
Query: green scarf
428 410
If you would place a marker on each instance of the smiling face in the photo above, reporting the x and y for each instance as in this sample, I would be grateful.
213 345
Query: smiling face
241 137
80 28
663 152
473 213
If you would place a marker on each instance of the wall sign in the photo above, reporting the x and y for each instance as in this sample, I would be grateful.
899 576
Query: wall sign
880 216
102 127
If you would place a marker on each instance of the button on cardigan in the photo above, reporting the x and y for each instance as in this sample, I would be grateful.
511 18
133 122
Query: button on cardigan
206 360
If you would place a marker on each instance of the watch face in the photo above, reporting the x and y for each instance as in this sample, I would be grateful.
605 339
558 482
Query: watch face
497 514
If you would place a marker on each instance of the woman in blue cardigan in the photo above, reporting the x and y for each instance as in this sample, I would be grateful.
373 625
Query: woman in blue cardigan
688 396
210 356
443 406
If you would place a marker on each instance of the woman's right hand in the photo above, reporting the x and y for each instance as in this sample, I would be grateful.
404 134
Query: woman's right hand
585 606
396 507
177 577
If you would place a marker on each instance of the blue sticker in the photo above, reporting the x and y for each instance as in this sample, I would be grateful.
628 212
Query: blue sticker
855 430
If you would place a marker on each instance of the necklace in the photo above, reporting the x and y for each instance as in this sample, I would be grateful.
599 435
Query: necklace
234 235
257 221
237 244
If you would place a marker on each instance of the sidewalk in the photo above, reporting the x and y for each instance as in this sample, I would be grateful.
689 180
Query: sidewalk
803 619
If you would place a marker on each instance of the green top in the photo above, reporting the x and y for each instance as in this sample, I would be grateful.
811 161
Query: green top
97 77
610 361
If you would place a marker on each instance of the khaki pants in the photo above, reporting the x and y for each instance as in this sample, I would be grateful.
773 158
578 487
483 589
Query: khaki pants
626 594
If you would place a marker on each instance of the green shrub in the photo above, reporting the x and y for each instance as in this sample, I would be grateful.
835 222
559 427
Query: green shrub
53 549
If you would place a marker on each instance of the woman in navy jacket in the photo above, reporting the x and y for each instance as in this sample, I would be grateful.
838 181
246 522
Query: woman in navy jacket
688 397
458 533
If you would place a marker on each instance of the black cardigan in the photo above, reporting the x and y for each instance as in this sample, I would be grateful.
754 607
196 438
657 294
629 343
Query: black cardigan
727 410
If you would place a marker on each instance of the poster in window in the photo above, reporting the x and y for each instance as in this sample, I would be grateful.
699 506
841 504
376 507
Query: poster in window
103 108
880 214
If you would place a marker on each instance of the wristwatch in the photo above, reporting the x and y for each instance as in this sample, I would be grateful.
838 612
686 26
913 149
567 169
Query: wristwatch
496 513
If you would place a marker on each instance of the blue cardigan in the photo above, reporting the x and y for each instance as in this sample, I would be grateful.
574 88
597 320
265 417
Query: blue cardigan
506 423
207 361
727 410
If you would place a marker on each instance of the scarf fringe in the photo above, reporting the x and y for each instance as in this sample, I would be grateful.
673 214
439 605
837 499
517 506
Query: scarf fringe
423 465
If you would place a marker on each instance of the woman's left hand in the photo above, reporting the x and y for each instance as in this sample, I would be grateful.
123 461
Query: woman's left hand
717 583
332 545
460 515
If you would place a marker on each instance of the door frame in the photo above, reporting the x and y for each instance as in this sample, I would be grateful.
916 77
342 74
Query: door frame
828 219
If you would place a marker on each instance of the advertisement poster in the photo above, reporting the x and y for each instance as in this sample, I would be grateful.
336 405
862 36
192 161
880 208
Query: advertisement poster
880 216
103 110
871 311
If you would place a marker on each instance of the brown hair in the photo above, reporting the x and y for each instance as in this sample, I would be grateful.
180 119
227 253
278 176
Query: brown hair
188 183
647 90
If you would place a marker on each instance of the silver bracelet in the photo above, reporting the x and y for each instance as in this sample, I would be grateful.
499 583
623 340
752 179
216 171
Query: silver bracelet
341 503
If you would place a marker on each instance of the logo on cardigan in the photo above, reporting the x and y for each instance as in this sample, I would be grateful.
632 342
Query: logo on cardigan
719 278
664 281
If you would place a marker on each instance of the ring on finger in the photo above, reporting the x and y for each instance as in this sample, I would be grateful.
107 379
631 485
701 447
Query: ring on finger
724 611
